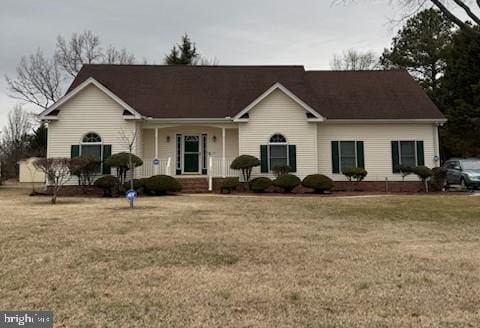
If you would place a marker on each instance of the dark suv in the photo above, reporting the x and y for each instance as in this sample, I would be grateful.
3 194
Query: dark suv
464 172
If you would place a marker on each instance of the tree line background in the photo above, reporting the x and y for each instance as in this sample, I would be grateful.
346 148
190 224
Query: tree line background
438 48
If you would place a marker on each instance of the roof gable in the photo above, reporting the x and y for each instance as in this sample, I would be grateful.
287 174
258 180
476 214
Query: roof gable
277 86
90 81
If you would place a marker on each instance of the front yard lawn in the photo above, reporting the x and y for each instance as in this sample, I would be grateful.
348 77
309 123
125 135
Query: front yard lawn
212 261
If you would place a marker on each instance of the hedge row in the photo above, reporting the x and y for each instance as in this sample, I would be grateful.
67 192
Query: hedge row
155 185
287 182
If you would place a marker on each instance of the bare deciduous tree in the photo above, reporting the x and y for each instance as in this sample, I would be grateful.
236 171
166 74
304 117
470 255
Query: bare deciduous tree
114 56
353 60
38 81
41 80
129 139
58 172
82 48
15 140
454 10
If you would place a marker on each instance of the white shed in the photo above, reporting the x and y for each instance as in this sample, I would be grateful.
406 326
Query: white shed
28 172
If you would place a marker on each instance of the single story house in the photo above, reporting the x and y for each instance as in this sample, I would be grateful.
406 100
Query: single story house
192 121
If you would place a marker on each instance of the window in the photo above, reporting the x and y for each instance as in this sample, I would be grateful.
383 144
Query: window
91 145
347 154
407 153
91 138
278 151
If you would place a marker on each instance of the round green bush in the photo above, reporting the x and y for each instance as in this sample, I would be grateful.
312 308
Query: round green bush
439 179
318 182
121 160
287 182
162 184
355 173
137 185
229 184
244 162
260 184
423 172
108 183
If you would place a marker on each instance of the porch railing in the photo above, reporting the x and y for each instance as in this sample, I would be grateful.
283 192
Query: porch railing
217 168
149 168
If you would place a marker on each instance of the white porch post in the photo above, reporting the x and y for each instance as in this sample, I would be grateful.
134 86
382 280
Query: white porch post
156 151
210 177
224 169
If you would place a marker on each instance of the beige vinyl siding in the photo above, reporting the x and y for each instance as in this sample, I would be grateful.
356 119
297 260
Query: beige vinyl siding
91 110
278 113
377 146
168 149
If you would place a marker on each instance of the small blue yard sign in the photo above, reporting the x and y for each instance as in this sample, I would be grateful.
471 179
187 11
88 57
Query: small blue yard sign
156 161
131 194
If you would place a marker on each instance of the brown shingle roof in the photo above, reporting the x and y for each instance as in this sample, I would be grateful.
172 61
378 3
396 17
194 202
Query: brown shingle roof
221 91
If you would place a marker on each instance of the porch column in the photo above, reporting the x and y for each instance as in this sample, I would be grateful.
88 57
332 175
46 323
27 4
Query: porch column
156 151
224 169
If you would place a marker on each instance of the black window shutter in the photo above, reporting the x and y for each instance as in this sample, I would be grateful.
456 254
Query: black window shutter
263 159
395 157
292 157
204 154
107 152
74 151
335 158
420 153
360 155
178 170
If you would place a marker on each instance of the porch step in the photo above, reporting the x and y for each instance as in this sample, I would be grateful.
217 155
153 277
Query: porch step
194 185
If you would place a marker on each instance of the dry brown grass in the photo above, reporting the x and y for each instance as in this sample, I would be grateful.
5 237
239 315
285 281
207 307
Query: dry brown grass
206 261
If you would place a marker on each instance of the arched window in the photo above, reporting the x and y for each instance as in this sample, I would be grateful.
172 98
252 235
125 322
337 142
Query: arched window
91 145
278 151
91 137
278 138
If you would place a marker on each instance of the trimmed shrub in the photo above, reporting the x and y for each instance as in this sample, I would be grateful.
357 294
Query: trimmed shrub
355 173
439 179
287 182
229 184
108 183
162 184
318 182
88 166
405 171
120 161
423 173
138 185
245 163
260 184
280 170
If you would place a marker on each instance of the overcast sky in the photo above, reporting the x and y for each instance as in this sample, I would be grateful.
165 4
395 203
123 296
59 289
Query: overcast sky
254 32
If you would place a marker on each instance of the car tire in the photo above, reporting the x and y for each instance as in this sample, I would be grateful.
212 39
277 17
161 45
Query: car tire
463 184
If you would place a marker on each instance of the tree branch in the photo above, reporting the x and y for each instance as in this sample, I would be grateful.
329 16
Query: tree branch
467 9
457 21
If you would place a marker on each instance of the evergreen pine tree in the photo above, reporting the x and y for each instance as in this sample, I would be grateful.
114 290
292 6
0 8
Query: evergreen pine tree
184 53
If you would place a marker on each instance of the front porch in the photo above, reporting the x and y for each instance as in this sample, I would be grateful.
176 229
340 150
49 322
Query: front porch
192 151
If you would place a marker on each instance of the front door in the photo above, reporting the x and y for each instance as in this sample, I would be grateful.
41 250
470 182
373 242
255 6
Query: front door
191 154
